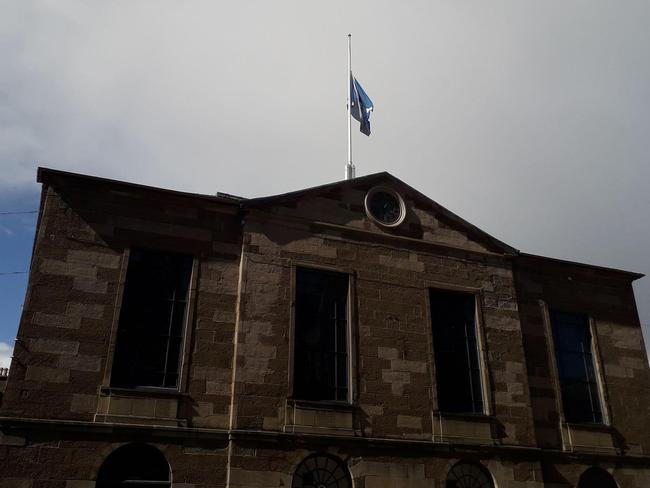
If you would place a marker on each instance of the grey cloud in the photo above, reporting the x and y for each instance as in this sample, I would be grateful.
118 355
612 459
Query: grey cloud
529 119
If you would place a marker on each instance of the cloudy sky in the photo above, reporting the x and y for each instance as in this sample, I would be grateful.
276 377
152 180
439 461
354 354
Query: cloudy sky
530 119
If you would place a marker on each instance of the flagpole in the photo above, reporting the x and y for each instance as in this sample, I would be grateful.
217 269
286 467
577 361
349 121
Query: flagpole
349 167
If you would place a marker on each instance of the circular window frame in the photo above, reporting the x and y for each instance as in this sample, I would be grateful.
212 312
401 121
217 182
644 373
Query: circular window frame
398 197
461 476
346 481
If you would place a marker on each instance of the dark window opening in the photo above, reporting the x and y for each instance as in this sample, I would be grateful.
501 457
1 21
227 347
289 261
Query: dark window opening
596 477
458 372
150 329
321 336
135 465
575 366
321 471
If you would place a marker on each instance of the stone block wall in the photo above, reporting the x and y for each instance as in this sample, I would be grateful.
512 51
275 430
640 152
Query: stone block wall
73 460
393 376
239 342
608 299
64 347
254 466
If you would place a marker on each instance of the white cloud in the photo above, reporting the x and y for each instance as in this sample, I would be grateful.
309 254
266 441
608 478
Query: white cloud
6 350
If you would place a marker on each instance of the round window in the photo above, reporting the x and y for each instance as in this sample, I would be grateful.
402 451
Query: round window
385 206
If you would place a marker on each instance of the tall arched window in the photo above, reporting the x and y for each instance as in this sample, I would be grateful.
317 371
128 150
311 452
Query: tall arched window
321 471
596 478
466 474
135 465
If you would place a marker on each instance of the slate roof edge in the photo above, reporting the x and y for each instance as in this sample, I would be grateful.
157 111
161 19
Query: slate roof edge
45 175
631 274
502 246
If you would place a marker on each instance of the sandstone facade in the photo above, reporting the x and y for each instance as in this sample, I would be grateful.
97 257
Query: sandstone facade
234 420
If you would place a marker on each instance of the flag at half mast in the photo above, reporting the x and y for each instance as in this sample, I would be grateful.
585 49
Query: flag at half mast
360 105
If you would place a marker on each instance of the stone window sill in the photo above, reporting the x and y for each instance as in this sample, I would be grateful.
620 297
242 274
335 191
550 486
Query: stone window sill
590 427
469 417
589 437
463 428
153 406
336 418
144 391
321 405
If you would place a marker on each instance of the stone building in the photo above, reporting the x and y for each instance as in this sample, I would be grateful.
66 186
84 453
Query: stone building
353 334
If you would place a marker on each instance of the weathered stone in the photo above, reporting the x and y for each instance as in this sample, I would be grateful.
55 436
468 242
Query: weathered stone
81 362
85 310
387 353
101 259
51 266
47 375
53 320
90 285
54 346
409 422
410 366
82 403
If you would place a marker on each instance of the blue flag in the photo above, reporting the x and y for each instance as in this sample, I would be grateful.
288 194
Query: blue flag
360 105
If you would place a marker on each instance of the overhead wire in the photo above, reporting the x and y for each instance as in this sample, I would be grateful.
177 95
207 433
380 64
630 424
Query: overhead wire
19 212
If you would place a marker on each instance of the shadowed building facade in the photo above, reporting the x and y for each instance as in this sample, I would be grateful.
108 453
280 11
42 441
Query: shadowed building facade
353 334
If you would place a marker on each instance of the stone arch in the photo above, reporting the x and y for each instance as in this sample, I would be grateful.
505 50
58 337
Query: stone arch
321 470
134 465
468 474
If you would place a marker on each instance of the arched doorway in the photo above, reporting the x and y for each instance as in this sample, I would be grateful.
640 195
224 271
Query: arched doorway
135 465
321 471
596 477
465 474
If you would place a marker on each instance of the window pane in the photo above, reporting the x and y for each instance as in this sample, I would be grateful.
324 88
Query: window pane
321 357
576 398
571 366
342 373
177 320
575 365
456 354
150 330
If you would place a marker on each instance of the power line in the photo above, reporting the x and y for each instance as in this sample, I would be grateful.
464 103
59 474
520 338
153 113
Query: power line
23 212
19 213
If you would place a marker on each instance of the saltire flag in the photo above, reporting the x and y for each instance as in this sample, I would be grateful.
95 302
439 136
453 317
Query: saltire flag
360 105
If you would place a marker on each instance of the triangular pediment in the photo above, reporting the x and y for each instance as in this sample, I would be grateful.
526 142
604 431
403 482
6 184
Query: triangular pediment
344 204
